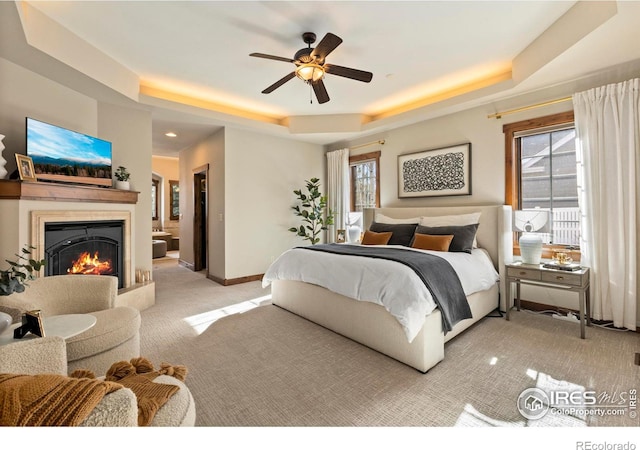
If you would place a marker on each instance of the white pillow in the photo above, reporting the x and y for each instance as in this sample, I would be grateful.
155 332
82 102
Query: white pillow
381 218
456 220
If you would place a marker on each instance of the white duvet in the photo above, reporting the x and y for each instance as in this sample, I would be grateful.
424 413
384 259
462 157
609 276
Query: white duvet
388 283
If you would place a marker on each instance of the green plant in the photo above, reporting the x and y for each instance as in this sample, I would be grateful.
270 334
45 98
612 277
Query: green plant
14 279
312 211
122 174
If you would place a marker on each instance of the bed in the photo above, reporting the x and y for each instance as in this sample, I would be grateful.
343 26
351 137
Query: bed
372 324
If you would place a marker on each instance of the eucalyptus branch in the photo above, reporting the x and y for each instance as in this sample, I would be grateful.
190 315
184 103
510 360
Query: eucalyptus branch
14 279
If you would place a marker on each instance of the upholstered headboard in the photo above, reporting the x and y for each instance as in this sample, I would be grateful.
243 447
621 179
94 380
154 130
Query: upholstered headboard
494 232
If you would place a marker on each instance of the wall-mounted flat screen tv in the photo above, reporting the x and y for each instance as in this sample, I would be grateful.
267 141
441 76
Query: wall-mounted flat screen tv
65 156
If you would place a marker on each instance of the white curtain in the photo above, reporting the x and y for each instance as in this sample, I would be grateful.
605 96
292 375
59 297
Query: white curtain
338 191
607 121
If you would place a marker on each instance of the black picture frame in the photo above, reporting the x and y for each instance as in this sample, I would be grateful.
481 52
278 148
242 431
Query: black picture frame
31 323
439 172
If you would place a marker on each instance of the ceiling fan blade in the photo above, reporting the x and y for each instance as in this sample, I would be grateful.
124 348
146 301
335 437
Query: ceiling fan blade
328 44
277 58
279 83
347 72
321 91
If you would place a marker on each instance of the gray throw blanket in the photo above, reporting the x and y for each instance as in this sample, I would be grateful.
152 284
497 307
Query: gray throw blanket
435 272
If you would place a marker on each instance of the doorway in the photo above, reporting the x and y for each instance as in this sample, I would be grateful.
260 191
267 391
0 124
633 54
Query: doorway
200 219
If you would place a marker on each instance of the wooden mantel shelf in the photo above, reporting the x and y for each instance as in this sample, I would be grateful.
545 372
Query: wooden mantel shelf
22 190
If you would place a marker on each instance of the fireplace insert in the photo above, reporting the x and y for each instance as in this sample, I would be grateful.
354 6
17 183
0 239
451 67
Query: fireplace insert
85 248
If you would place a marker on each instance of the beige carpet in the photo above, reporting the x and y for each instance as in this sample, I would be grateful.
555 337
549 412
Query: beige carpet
267 367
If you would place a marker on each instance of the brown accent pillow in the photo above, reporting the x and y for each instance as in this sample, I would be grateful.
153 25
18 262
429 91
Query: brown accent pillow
373 238
438 243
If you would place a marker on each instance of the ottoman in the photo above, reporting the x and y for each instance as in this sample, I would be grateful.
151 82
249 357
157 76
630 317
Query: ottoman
159 248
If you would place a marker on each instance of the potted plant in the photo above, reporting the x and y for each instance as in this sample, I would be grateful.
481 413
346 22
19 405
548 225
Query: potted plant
122 178
313 211
15 278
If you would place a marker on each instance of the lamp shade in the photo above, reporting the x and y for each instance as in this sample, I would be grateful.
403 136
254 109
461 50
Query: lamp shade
354 227
531 222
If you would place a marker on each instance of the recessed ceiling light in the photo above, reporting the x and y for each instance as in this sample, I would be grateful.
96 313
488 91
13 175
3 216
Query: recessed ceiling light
171 134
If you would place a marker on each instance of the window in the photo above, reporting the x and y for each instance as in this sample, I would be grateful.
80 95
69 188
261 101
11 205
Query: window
155 193
365 181
541 171
174 190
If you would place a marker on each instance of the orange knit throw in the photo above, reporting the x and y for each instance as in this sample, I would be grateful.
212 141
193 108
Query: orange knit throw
57 400
137 375
49 400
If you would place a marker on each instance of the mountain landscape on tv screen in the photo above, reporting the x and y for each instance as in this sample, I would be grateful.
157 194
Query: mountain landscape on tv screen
72 168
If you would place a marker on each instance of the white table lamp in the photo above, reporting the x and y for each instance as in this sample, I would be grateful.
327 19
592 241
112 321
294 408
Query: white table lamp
531 222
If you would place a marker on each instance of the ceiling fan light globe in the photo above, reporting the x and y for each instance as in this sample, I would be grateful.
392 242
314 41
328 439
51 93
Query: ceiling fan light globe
310 72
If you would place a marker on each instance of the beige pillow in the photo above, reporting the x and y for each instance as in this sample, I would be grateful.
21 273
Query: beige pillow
438 243
443 221
373 238
381 218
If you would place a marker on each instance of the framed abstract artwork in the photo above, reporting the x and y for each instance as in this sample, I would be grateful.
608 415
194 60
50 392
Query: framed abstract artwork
435 173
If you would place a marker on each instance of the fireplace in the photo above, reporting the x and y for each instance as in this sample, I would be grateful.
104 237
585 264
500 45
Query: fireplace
94 247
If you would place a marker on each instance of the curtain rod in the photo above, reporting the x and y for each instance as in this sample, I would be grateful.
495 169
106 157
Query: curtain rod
525 108
381 142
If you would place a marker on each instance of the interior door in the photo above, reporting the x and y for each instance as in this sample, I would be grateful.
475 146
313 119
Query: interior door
200 220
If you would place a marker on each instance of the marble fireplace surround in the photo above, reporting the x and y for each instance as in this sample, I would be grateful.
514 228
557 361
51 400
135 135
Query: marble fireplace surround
40 218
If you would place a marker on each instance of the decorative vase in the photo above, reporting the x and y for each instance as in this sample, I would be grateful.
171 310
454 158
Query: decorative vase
3 171
123 185
5 321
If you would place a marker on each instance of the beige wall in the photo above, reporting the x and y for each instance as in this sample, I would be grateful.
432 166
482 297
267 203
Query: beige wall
251 179
129 130
167 169
261 174
209 152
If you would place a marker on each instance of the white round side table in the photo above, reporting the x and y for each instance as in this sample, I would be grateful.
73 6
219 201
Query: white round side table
64 325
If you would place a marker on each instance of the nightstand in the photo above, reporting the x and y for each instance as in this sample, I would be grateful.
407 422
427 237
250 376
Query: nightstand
535 274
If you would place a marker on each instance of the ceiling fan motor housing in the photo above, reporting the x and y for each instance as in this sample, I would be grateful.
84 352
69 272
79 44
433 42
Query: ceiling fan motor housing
303 56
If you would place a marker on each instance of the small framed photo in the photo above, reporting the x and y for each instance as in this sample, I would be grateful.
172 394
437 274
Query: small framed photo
340 236
25 168
31 323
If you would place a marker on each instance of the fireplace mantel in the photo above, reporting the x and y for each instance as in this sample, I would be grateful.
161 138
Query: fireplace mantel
22 190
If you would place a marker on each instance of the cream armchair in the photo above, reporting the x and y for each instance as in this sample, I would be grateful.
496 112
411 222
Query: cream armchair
117 409
114 337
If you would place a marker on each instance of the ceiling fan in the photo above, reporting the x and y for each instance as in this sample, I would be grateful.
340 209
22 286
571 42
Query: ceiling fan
311 67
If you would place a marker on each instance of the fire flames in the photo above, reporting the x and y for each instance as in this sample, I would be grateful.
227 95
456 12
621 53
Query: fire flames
90 265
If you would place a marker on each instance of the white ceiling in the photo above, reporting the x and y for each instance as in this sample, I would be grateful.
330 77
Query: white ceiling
415 50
